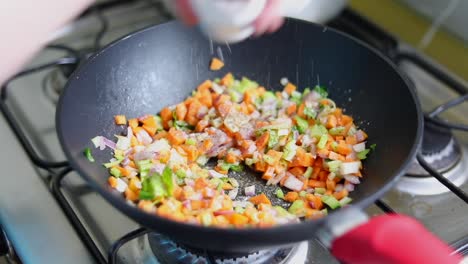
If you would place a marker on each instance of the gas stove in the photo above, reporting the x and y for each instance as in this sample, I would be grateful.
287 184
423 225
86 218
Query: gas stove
48 214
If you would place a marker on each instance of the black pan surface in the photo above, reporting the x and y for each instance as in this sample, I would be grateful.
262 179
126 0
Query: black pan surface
161 65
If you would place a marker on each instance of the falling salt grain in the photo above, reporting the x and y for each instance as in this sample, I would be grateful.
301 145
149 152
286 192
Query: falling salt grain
284 81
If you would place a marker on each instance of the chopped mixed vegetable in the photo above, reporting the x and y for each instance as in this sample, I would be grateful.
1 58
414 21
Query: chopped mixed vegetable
298 141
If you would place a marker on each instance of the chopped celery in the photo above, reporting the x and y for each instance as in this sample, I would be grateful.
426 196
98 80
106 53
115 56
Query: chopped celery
237 167
334 145
115 172
182 125
320 190
331 201
296 97
239 209
321 90
273 139
373 146
153 187
112 164
279 193
250 162
191 141
363 154
306 91
345 200
268 95
144 195
352 130
290 150
181 173
88 155
158 120
318 130
310 112
167 180
302 124
336 131
281 211
297 207
302 194
323 141
244 85
206 219
308 172
324 211
236 97
96 141
119 154
334 165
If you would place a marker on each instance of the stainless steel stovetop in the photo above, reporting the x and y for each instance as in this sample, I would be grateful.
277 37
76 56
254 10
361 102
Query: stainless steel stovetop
41 231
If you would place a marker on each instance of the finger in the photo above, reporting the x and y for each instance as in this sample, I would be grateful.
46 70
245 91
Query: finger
275 24
269 14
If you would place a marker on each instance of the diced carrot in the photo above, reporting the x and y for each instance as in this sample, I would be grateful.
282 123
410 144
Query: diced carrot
291 109
316 184
282 181
134 141
166 116
275 155
238 219
161 134
204 85
330 185
133 123
297 171
260 199
202 124
131 195
231 158
120 120
300 110
200 183
262 141
291 196
346 119
192 112
134 183
220 170
224 108
337 138
261 166
227 80
196 204
268 174
314 201
248 97
341 194
343 148
323 175
150 129
289 88
261 90
205 98
216 64
323 152
132 164
124 172
176 137
338 112
227 186
191 151
112 181
302 159
181 111
351 140
315 173
331 121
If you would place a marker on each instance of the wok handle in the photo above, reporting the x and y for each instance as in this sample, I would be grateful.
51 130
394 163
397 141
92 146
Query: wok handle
392 239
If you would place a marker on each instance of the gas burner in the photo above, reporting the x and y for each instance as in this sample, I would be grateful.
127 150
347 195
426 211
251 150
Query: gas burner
439 149
167 251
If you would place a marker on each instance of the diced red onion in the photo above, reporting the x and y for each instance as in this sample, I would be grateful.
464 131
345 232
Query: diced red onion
312 96
121 185
233 193
210 193
339 187
129 132
310 190
249 190
202 112
247 132
216 174
189 182
293 183
359 147
349 187
125 162
108 143
142 118
360 135
158 167
223 212
351 156
255 114
277 178
143 155
196 197
187 204
323 155
144 137
352 178
312 204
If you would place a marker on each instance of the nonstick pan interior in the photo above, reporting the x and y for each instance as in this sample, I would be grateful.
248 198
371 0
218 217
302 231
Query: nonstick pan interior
161 65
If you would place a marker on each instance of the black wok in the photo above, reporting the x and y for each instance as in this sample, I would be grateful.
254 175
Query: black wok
161 65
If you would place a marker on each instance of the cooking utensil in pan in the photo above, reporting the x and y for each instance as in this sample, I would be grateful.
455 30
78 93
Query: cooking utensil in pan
161 65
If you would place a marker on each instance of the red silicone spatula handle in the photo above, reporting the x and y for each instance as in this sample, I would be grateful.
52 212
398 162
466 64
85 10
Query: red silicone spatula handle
392 239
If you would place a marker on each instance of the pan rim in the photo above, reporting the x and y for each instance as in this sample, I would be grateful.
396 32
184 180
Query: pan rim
136 214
